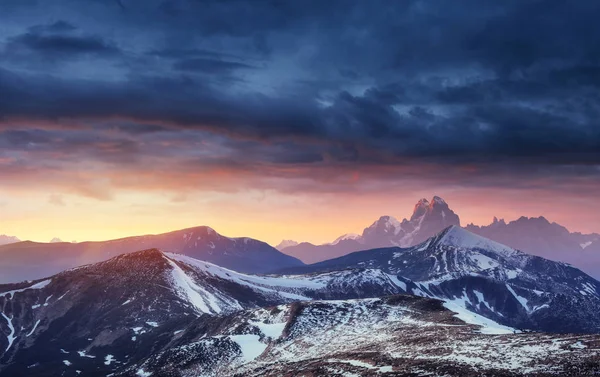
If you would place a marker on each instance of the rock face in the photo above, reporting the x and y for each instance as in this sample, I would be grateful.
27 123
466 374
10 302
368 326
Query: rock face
488 278
32 260
153 313
428 218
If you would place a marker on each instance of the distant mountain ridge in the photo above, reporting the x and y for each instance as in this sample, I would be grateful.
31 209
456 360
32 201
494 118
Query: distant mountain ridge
428 218
538 236
534 235
5 240
31 260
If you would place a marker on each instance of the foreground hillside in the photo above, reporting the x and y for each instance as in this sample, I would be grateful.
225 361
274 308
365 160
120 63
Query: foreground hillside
389 336
456 305
160 314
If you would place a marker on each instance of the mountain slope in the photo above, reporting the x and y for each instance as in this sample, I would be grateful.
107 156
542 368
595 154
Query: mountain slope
89 330
165 314
31 260
428 218
124 307
392 336
488 278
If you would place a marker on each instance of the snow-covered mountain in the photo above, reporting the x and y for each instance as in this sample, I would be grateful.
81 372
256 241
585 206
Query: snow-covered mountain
344 237
5 240
286 243
154 313
535 235
488 278
32 260
126 307
538 236
428 218
390 336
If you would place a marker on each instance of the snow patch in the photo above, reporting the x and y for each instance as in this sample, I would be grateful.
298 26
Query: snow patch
11 337
108 359
522 300
250 346
84 354
271 330
200 298
34 327
487 325
397 281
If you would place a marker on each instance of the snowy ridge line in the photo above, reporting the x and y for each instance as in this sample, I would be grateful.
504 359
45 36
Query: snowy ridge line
38 285
285 286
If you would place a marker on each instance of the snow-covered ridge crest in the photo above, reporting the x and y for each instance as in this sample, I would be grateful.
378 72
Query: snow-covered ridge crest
348 236
459 237
204 285
38 285
292 288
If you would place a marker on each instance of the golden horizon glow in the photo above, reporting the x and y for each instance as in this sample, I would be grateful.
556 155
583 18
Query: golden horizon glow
267 216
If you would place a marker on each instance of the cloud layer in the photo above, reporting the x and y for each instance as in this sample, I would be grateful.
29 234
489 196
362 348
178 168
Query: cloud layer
313 96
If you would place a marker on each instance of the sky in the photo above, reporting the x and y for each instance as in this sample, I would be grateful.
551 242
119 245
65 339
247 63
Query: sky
294 119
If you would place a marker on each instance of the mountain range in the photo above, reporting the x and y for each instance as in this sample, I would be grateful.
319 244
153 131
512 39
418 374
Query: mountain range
5 240
428 218
32 260
457 304
532 235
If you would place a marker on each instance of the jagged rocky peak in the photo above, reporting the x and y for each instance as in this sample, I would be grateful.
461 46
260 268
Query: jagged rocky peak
437 208
420 208
495 221
428 219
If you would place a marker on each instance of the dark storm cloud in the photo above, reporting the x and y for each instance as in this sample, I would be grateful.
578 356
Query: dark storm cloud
58 39
352 83
210 66
56 27
62 44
